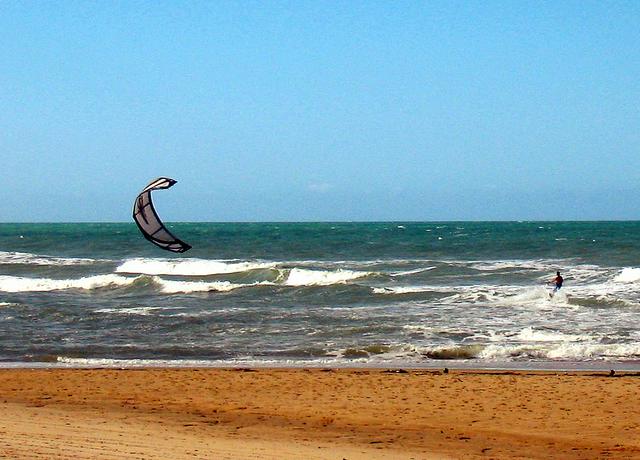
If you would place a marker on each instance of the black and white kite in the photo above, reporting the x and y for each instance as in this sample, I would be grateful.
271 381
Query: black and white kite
150 224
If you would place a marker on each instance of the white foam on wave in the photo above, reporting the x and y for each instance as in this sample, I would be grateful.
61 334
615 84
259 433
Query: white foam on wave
628 275
413 272
455 294
529 334
540 350
186 287
594 350
25 258
619 290
66 361
20 284
110 362
577 275
415 289
531 264
583 274
529 295
303 277
571 270
297 277
396 290
493 294
399 354
435 330
579 351
142 311
189 267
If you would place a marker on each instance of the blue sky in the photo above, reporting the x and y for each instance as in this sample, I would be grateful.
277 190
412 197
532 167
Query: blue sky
339 110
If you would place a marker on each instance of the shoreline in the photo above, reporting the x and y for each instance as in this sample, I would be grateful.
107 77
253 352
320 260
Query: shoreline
546 366
353 413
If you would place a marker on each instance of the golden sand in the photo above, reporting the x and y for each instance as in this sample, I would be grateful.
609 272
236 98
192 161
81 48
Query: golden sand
317 414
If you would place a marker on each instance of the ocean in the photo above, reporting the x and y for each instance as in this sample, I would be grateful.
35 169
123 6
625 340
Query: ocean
385 294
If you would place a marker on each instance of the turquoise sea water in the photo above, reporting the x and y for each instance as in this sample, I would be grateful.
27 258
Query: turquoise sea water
378 294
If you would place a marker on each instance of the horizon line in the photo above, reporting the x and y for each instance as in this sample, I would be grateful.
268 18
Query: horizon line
333 221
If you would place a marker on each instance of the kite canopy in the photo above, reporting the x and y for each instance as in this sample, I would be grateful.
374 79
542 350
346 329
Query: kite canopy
148 221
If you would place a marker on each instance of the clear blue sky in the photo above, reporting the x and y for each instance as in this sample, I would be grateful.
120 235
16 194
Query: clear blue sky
318 110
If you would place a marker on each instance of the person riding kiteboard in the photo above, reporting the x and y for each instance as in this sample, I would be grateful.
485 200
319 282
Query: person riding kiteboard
557 281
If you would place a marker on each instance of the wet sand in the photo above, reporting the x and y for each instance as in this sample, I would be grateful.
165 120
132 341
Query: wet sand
317 414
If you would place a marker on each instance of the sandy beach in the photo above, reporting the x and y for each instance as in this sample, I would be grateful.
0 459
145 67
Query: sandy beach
317 414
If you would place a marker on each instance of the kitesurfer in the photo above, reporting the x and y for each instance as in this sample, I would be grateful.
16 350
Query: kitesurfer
558 280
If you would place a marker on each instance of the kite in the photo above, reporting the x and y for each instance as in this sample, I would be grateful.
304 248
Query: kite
148 221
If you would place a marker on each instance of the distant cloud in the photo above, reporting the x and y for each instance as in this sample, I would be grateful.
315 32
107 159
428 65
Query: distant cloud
319 187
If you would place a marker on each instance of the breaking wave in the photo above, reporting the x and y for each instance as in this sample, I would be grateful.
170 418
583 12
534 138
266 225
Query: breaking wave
562 351
20 284
25 258
142 311
186 287
413 272
398 290
304 277
628 275
189 267
294 277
